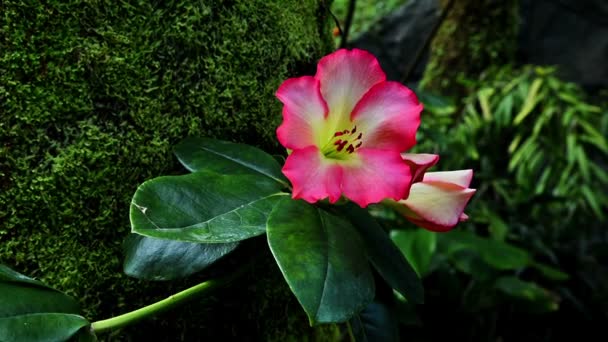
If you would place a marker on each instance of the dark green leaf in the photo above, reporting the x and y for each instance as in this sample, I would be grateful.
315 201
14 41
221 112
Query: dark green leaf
22 295
19 299
418 246
156 259
375 323
384 255
544 300
497 254
204 207
40 327
322 259
225 157
8 275
32 311
550 272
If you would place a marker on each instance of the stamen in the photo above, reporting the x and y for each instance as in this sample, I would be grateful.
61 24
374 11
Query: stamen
341 145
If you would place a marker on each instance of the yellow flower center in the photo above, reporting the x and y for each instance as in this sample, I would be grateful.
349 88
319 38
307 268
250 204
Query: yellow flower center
342 144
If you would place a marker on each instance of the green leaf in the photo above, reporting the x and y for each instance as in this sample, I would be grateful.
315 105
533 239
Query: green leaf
32 311
322 259
155 259
384 255
204 207
497 254
418 246
40 327
227 158
18 299
22 295
375 323
544 300
551 272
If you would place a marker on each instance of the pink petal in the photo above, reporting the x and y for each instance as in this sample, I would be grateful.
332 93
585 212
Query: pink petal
345 76
389 115
378 174
437 206
312 176
460 177
419 163
304 111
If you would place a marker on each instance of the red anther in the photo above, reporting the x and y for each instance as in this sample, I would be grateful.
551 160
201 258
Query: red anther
337 134
338 142
359 137
359 144
350 149
354 130
341 146
345 131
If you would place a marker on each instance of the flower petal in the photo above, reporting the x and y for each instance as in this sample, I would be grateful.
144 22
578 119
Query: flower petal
378 174
459 177
312 176
437 206
389 115
345 76
419 163
304 112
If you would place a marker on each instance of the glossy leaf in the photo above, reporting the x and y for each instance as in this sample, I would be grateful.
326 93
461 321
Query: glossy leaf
32 311
204 207
384 255
375 323
418 246
41 327
22 295
155 259
322 259
227 158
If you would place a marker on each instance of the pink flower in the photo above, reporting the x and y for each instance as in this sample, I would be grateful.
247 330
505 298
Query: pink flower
437 199
346 128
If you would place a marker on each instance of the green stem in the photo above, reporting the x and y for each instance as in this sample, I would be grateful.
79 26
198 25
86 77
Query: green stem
349 328
163 305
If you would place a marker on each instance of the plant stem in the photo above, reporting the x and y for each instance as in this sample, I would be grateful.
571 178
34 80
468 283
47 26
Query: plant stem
349 19
163 305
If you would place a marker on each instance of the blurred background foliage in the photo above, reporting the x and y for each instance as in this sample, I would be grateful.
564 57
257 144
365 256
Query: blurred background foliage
532 261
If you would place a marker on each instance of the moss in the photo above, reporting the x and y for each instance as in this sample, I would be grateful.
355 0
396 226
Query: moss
92 97
475 35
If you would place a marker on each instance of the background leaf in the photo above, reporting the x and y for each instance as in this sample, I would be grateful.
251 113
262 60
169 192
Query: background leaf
155 259
322 259
204 207
418 246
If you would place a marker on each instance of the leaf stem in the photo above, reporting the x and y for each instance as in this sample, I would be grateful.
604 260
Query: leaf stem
170 302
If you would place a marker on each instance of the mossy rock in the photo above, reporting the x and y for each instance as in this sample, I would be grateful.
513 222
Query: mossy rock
93 95
475 35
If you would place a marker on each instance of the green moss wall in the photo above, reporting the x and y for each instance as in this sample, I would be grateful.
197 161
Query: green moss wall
93 94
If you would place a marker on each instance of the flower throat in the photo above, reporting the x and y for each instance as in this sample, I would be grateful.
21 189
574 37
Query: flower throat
343 143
